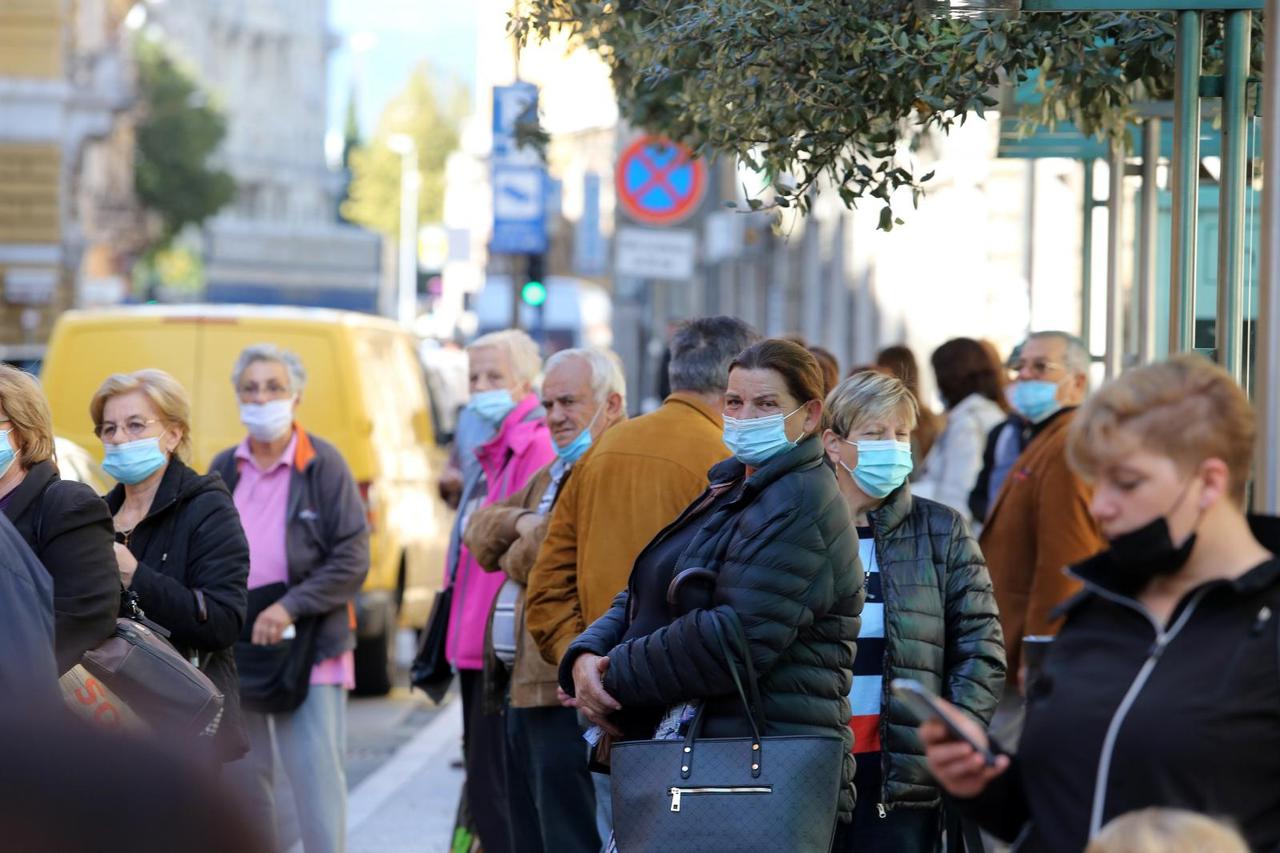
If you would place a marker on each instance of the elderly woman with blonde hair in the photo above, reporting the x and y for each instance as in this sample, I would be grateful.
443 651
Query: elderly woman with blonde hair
1160 689
930 614
181 552
1167 831
66 525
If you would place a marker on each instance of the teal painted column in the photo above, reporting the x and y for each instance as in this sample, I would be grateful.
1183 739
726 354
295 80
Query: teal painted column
1185 180
1266 486
1231 192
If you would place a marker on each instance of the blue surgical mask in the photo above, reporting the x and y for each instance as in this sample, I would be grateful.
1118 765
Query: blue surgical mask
882 466
134 461
1034 399
7 455
574 450
754 441
493 406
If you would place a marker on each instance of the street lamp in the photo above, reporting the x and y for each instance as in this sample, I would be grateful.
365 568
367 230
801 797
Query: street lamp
410 184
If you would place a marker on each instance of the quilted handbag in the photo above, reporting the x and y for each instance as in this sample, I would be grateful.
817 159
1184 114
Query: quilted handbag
733 794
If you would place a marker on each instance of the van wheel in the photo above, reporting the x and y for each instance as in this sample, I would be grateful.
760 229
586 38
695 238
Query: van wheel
375 659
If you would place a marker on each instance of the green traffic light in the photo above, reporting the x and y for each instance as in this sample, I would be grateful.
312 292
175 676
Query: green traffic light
533 293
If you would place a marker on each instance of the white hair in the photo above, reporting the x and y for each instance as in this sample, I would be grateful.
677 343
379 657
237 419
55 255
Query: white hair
606 370
1077 358
522 352
270 352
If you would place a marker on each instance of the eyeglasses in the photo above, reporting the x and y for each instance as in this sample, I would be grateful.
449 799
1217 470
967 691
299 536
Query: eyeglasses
133 428
1036 367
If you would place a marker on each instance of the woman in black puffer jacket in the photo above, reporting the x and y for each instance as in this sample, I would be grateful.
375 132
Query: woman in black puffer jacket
930 615
768 545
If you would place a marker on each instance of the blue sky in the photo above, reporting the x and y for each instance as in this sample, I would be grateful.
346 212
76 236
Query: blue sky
406 32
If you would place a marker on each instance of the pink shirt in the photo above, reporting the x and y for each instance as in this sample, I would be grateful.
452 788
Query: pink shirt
262 499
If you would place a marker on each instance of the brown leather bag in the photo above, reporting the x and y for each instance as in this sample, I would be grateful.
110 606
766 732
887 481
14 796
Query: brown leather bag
162 687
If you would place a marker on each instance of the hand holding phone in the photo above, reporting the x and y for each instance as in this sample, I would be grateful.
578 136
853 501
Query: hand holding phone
927 706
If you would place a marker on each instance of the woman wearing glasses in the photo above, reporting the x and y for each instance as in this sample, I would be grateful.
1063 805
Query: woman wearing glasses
65 523
180 548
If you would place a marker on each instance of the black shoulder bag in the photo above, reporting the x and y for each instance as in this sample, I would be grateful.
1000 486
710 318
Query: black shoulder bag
756 793
274 679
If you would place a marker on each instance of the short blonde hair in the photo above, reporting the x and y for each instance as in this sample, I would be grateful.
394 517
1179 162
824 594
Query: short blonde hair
164 392
1167 831
522 352
1186 408
29 416
866 397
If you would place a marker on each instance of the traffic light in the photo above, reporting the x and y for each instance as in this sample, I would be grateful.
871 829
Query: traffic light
534 292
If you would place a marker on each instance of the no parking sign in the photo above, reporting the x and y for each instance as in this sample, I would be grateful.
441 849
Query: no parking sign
659 182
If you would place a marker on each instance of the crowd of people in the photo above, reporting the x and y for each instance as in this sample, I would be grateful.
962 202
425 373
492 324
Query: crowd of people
767 557
849 538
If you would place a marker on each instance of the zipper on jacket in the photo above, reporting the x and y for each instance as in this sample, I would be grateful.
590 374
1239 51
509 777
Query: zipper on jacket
676 793
1163 639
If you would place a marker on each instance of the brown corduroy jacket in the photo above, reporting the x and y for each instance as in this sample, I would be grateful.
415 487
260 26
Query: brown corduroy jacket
492 539
1040 525
637 479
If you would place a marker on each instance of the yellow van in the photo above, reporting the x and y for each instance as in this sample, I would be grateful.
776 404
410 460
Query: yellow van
365 394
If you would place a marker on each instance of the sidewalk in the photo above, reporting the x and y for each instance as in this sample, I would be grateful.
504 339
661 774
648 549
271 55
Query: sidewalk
408 804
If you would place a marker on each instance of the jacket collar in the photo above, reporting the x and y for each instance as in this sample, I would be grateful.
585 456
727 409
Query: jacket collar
693 401
1097 576
172 485
304 452
517 432
894 510
807 454
33 484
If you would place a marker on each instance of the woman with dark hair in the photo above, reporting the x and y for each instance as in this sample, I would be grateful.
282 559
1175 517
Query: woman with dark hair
970 383
900 361
767 552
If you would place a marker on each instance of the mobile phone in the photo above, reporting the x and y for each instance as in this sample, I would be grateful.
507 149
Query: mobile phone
926 706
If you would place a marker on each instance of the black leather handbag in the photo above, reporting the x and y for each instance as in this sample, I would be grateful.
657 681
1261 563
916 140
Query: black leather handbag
736 794
274 679
431 672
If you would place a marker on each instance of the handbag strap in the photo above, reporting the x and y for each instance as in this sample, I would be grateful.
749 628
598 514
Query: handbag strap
695 728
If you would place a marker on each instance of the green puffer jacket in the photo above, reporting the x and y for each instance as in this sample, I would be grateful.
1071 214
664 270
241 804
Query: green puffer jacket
785 561
941 628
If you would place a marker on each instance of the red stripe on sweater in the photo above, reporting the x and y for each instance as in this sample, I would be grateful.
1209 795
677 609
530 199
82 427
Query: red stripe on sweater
866 733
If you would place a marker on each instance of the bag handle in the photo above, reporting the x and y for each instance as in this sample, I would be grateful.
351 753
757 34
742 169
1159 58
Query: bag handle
695 728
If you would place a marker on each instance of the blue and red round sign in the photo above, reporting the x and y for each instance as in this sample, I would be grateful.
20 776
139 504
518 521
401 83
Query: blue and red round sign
659 182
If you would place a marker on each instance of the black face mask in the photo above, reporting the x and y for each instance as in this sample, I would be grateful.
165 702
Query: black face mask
1141 555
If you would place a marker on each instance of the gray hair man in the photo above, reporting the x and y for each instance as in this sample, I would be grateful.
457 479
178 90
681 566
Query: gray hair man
549 788
636 480
1040 522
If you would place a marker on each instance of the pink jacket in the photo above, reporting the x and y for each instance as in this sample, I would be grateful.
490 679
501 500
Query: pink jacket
519 450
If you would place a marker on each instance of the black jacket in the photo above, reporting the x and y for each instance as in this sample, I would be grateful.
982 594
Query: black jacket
69 528
785 559
326 539
193 567
28 673
1194 705
941 628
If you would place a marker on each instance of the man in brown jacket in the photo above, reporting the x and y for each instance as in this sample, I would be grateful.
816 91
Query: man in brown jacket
638 478
1040 523
552 803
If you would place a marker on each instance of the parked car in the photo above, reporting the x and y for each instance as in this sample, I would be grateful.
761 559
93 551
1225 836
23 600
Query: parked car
76 463
365 394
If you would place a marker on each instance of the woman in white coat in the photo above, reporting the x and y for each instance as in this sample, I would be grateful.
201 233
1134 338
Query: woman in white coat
970 383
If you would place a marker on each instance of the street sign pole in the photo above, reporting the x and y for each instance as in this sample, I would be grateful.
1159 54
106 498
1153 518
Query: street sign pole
1231 259
1186 181
1266 491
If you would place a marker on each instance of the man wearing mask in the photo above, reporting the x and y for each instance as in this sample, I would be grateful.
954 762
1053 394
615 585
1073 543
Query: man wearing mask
308 557
1040 522
640 476
549 787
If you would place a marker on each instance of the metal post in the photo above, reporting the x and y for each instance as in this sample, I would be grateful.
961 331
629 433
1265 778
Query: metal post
1231 189
1148 226
1114 357
1186 180
1266 490
1086 258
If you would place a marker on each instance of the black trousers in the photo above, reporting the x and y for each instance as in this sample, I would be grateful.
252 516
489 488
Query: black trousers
484 750
553 800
